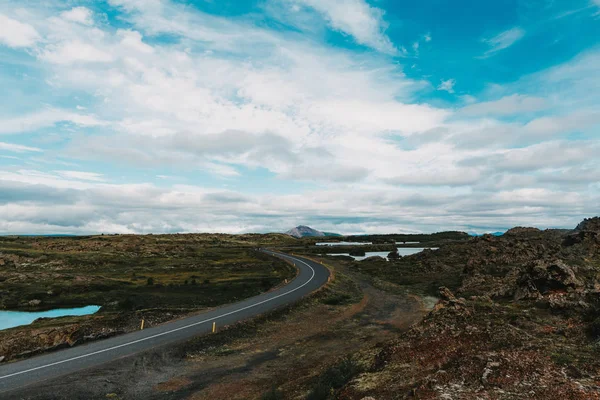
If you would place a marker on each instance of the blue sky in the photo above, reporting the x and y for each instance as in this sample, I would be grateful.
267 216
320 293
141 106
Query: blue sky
351 116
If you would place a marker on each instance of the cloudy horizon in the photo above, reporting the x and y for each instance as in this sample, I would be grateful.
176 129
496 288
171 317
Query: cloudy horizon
351 116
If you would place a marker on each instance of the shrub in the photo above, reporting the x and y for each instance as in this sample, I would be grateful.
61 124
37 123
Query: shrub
150 281
595 328
273 394
357 252
335 377
266 283
337 299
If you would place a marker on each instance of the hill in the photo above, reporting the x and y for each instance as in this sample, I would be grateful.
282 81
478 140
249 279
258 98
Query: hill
306 231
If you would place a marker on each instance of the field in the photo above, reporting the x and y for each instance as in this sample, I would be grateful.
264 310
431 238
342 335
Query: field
155 277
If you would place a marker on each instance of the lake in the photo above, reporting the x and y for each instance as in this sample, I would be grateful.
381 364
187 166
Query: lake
343 243
10 319
403 251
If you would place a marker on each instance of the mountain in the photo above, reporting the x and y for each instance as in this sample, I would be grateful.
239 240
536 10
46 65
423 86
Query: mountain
306 231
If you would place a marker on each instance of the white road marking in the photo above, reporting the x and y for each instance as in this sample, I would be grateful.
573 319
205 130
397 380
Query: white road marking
172 330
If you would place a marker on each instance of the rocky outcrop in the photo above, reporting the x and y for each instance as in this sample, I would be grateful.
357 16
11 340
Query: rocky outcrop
586 234
543 277
589 224
449 303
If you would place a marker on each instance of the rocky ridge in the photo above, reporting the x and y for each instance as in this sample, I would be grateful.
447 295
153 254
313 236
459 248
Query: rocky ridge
521 320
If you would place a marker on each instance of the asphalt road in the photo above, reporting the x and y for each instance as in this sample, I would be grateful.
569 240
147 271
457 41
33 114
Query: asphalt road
18 375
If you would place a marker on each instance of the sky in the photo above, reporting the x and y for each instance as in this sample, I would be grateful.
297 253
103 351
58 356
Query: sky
351 116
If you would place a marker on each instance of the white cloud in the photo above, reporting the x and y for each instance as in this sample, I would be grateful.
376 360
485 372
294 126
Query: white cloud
447 85
81 15
227 96
452 176
75 51
552 125
17 148
503 40
17 34
80 175
91 207
508 105
546 155
46 118
427 37
133 40
356 18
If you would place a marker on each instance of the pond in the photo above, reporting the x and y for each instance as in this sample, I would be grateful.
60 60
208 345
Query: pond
10 319
403 251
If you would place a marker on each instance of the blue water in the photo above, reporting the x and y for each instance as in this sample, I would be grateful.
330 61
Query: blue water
10 319
343 243
406 251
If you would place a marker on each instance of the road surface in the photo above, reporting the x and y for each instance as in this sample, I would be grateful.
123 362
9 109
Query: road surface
15 376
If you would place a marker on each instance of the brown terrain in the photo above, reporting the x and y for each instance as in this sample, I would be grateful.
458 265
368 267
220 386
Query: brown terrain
509 317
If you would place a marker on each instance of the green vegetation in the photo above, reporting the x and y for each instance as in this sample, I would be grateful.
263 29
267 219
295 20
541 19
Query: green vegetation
357 252
334 378
273 394
129 272
341 291
420 237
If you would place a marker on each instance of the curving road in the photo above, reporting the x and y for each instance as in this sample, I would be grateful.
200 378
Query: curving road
20 374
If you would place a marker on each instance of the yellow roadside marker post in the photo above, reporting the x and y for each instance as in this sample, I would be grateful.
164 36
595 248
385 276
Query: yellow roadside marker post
142 326
214 327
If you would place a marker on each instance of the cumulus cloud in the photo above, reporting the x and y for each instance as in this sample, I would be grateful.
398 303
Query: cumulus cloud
101 207
446 177
503 40
357 18
546 155
508 105
75 51
336 137
81 15
447 85
17 34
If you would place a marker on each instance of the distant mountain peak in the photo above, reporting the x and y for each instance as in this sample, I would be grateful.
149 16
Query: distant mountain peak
304 231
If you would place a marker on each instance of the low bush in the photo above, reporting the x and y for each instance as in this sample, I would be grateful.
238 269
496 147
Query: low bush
335 377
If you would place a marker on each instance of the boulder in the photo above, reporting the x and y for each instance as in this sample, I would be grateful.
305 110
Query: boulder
393 255
542 277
